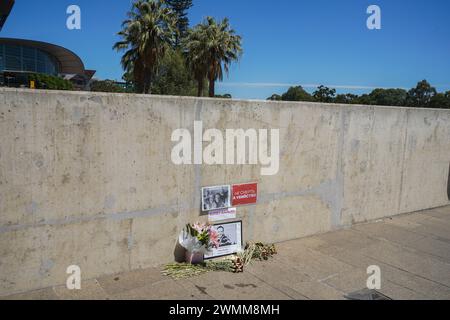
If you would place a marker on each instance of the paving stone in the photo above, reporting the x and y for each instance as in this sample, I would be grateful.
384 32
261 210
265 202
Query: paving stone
417 263
425 287
385 231
195 291
163 290
279 276
351 282
90 290
441 213
313 263
130 280
241 286
434 247
246 291
398 292
316 290
408 238
349 239
419 227
42 294
348 282
439 226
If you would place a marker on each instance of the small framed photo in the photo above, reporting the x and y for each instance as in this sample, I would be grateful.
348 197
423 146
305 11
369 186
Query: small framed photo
214 198
230 240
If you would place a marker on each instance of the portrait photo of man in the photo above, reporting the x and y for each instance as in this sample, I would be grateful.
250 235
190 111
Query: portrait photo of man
224 240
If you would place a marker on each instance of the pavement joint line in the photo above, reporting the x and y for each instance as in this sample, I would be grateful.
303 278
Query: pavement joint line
329 277
278 288
404 270
333 287
401 286
408 288
413 275
409 248
392 266
424 234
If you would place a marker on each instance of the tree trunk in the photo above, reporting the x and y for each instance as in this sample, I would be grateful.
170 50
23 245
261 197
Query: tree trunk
200 88
139 88
148 82
138 83
212 89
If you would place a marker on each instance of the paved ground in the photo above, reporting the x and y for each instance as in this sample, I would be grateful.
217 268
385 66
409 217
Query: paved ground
413 252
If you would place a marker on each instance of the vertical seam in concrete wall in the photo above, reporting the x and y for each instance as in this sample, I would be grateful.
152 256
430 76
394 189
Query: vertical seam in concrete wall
367 181
336 212
400 195
448 183
130 243
34 115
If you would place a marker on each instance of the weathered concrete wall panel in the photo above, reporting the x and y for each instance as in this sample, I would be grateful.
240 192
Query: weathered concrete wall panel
427 154
87 179
372 162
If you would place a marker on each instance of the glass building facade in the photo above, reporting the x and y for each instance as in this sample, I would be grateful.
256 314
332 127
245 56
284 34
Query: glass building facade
19 58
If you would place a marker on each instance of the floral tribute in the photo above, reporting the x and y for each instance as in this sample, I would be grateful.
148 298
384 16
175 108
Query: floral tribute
235 264
199 238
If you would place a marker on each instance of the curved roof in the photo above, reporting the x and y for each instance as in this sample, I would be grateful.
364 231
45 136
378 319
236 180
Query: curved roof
69 62
5 9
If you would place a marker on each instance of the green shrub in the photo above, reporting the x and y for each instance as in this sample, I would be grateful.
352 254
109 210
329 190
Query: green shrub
45 81
106 86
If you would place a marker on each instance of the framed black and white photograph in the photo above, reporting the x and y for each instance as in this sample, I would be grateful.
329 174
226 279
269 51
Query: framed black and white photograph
230 239
214 198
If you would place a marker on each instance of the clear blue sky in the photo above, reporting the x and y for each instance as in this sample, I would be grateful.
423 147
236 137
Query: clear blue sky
285 42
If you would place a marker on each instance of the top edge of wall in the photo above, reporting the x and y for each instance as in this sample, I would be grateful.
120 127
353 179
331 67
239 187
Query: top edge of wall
169 97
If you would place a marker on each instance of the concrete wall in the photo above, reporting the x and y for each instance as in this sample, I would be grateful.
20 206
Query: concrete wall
87 179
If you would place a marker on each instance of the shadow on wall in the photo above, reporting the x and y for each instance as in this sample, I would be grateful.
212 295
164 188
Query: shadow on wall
448 184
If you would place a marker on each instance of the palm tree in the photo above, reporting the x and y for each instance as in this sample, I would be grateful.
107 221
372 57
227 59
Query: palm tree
147 34
211 47
195 59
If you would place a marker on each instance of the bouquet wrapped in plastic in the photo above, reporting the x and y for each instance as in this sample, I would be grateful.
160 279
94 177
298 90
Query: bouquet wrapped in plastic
198 239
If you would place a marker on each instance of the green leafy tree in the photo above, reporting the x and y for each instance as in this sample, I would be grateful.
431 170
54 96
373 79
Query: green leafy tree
174 77
324 94
146 36
180 7
363 99
421 95
211 47
106 86
274 97
128 76
388 97
441 100
347 98
296 94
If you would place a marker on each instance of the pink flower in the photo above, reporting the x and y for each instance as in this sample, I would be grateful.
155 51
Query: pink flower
199 227
214 237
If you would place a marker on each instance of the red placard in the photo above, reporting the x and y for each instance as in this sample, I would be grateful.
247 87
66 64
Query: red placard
243 194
